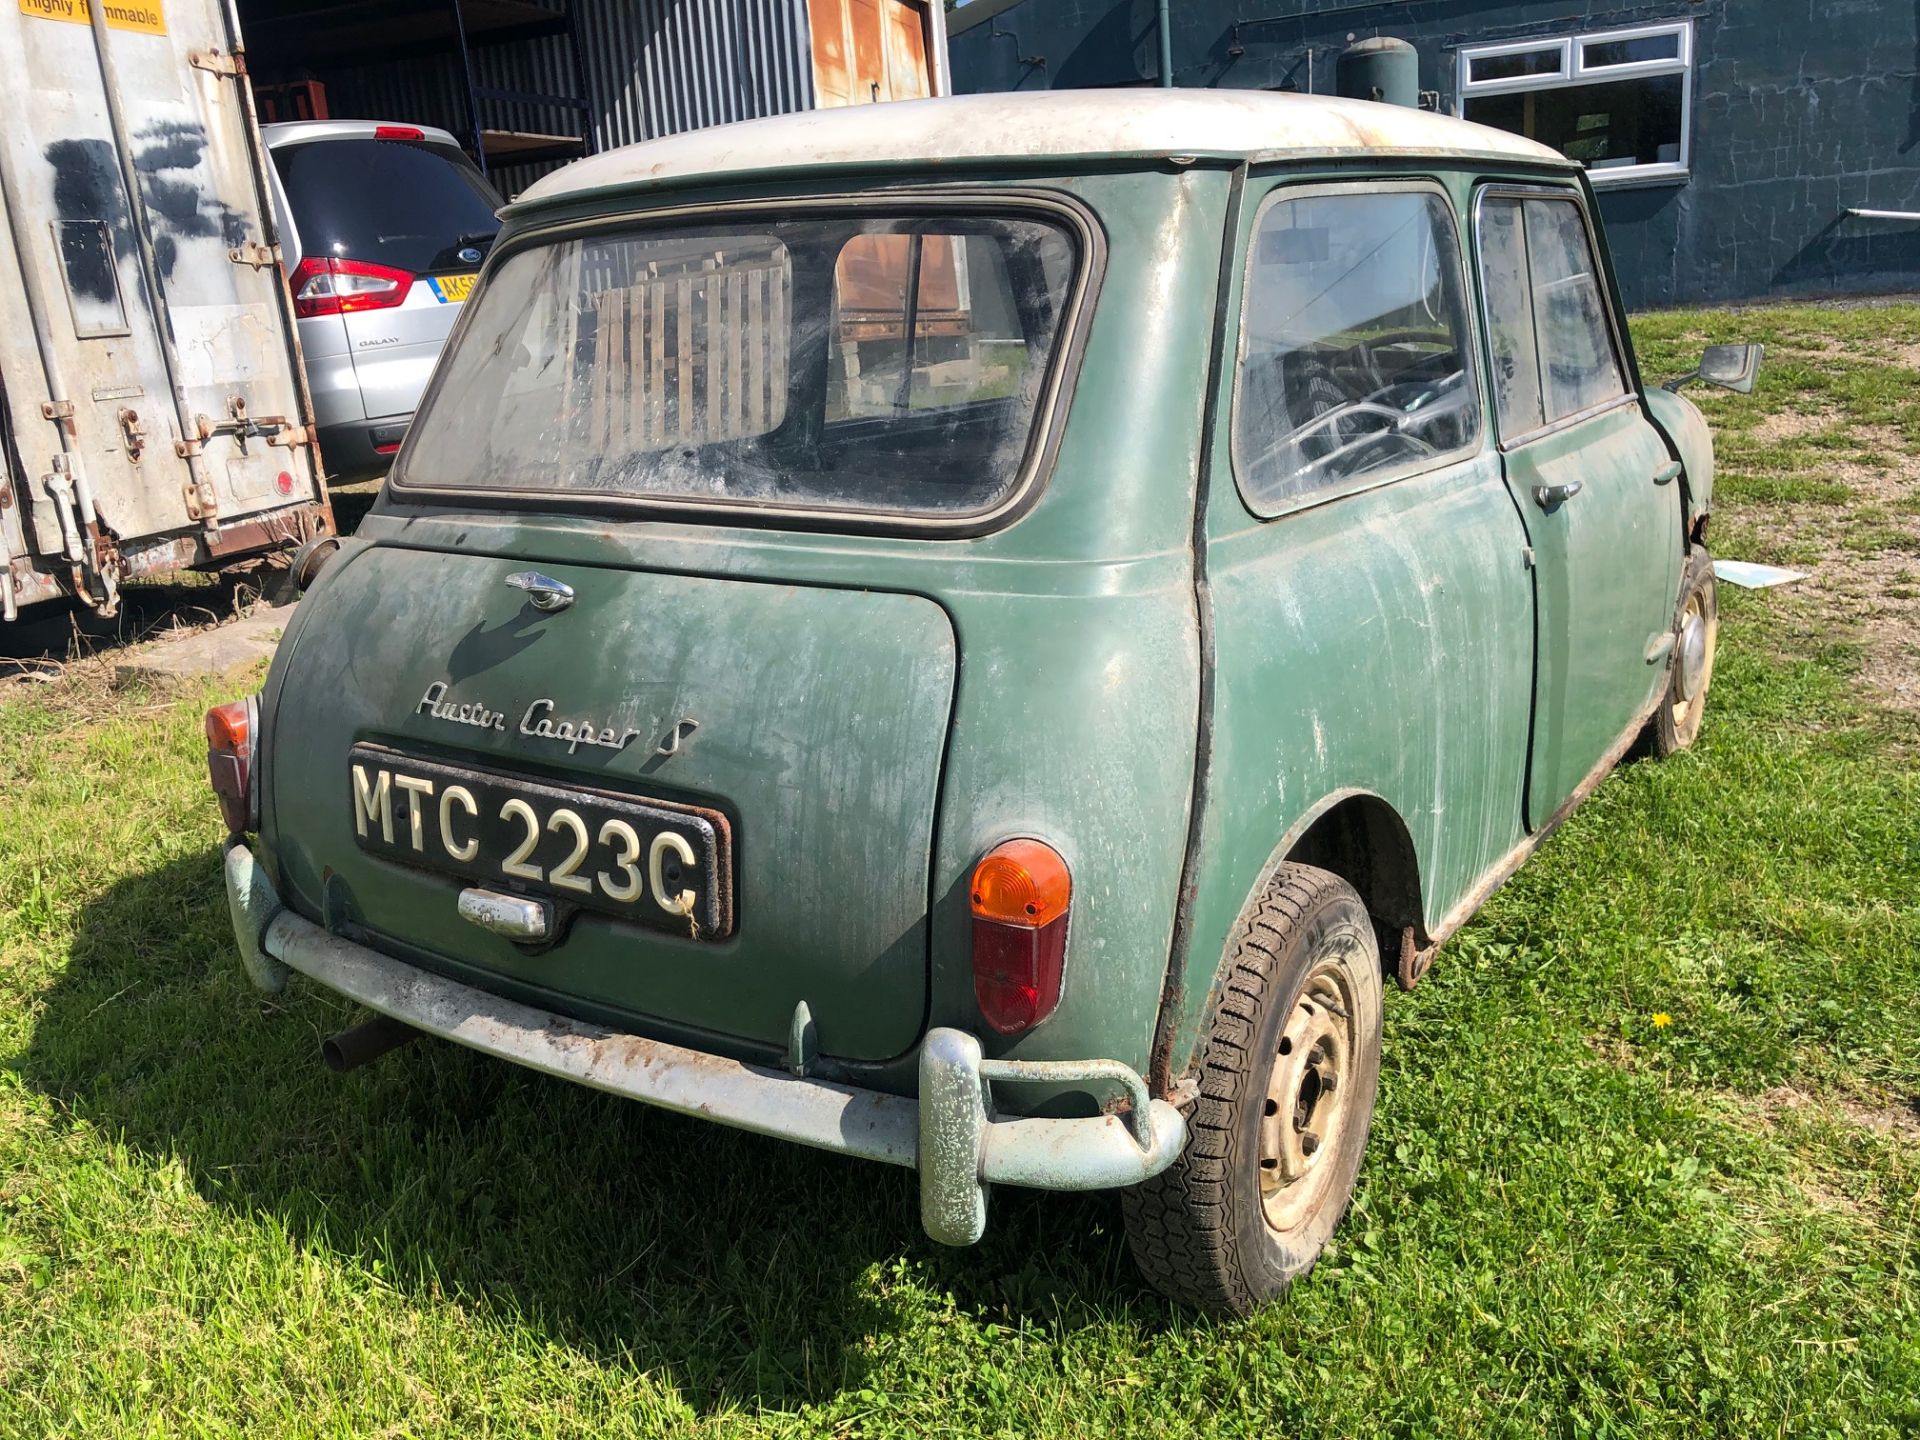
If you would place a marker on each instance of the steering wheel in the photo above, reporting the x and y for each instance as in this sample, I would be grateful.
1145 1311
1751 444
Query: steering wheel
1367 347
1419 402
1334 422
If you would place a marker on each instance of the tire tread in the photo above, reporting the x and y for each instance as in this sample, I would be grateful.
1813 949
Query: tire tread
1177 1223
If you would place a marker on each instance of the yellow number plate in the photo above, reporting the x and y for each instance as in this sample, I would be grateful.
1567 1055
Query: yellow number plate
453 288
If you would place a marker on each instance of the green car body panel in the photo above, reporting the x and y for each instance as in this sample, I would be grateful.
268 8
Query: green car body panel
1691 443
1408 682
1063 648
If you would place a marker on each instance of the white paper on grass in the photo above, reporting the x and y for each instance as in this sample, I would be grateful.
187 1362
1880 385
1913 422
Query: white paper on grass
1750 576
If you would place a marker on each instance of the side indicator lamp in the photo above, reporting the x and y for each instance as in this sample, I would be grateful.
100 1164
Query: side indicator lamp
1020 896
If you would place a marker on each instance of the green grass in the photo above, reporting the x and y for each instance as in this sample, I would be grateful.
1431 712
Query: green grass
1572 1221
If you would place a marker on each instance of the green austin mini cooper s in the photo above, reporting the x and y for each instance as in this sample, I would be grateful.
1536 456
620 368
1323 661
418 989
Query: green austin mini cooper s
976 633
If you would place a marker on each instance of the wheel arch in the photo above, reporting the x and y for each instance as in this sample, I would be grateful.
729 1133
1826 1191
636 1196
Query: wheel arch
1351 832
1356 834
1361 838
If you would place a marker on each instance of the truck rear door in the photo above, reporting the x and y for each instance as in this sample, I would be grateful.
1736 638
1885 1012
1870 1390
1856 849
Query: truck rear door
151 375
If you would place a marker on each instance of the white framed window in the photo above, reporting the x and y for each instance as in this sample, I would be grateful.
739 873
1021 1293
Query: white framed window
1618 101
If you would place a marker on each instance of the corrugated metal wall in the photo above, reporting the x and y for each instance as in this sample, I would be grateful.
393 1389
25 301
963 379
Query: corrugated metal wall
653 67
657 67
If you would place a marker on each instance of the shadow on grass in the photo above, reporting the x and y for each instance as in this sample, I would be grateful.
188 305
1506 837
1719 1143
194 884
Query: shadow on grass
747 1272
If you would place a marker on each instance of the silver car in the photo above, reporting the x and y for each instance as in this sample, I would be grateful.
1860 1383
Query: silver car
383 228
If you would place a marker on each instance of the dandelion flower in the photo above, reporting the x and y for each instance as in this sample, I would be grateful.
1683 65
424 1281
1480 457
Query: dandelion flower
1661 1019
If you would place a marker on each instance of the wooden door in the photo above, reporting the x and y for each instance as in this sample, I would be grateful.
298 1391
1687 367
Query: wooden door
832 53
908 75
869 50
866 29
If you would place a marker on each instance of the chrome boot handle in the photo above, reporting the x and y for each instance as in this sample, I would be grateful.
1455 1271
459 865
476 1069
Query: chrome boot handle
543 592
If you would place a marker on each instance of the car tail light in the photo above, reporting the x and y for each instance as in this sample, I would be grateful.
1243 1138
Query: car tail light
398 132
390 448
324 285
231 732
1021 891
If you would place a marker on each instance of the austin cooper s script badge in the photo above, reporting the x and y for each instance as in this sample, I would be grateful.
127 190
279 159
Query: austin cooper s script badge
537 721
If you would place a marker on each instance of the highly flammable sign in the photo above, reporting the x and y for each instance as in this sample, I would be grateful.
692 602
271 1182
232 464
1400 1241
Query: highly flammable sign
144 16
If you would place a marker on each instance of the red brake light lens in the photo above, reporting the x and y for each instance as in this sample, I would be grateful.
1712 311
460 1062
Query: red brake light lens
231 730
1020 897
398 132
324 285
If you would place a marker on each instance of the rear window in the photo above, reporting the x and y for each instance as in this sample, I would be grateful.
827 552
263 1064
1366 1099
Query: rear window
888 365
404 203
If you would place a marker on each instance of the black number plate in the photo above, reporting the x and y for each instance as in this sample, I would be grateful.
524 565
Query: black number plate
651 861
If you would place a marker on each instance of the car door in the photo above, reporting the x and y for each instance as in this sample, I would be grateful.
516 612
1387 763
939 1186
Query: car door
1592 480
1370 601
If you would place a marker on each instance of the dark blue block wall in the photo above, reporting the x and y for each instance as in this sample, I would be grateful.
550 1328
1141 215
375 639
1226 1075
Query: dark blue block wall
1801 110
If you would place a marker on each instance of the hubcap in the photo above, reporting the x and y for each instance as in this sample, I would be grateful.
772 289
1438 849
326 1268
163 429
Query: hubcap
1307 1100
1693 667
1693 652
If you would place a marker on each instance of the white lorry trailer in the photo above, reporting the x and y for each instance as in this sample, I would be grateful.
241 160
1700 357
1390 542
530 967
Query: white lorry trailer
153 410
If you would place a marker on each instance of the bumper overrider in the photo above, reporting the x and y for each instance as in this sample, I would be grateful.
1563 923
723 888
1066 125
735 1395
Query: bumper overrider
949 1133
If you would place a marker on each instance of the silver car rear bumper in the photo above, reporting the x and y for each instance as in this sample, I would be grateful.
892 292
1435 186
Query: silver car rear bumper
949 1133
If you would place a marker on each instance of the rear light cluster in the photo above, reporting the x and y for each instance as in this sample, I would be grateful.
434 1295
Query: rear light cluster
231 733
1020 895
324 285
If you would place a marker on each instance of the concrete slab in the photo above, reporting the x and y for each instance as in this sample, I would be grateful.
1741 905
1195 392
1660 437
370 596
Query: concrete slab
189 654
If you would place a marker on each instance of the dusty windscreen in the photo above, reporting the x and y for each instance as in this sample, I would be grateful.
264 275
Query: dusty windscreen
851 363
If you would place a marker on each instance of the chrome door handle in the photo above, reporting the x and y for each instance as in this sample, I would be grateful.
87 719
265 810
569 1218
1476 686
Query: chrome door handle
1548 496
543 592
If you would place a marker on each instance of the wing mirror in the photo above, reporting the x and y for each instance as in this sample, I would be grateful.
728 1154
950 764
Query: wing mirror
1731 367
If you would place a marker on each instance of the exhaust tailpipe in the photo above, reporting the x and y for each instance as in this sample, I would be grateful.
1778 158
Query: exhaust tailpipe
366 1042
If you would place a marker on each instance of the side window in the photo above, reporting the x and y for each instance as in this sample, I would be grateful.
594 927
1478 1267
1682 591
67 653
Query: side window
1579 368
1503 276
1553 353
1353 347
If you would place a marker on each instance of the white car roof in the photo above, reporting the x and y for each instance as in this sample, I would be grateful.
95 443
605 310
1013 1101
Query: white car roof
1252 125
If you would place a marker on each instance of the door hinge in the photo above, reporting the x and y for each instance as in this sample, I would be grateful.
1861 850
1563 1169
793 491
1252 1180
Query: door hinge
202 501
217 62
1526 556
255 254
